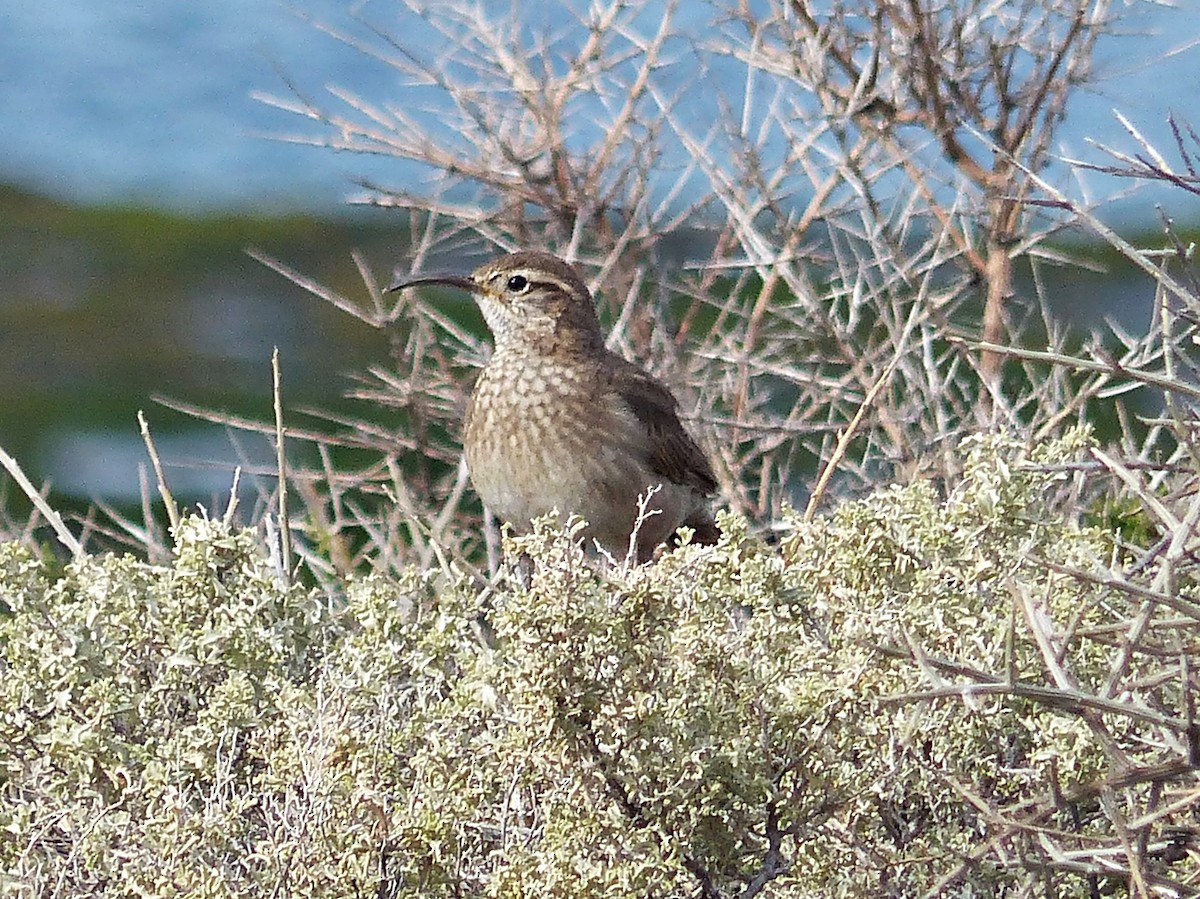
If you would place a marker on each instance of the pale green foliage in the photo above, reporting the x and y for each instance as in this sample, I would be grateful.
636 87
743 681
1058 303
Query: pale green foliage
786 721
129 697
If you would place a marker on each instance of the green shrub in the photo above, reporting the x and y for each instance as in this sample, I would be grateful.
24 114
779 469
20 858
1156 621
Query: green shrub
914 691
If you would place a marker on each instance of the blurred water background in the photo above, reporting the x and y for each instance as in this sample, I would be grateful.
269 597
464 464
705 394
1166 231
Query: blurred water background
135 172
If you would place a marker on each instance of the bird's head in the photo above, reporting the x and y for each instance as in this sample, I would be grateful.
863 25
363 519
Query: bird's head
526 298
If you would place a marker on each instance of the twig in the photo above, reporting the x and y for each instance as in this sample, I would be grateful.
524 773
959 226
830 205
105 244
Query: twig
39 502
285 533
163 490
844 438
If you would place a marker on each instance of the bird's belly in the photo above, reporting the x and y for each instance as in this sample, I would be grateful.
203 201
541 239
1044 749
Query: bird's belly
526 461
528 472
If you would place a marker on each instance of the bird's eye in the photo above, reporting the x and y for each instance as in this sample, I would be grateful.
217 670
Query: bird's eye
518 283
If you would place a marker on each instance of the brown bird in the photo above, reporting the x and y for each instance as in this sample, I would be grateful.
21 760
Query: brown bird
558 423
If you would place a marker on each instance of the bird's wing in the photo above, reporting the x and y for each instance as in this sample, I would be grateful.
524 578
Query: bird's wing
671 450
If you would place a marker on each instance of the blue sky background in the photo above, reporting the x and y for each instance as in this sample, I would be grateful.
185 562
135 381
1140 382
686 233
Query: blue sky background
115 100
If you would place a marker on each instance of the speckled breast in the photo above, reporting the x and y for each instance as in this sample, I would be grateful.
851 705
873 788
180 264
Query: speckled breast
542 438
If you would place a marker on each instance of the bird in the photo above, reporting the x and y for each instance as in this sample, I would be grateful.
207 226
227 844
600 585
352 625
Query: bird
557 423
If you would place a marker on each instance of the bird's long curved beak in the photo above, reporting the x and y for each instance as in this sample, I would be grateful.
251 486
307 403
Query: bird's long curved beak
447 278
